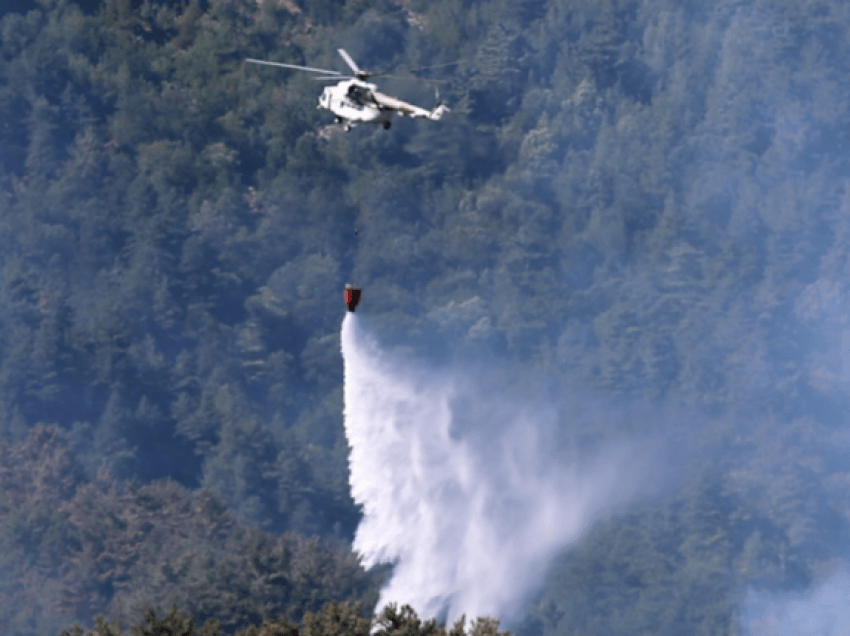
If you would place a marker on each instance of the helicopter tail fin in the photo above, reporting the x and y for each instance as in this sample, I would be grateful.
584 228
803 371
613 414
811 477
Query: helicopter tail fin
438 112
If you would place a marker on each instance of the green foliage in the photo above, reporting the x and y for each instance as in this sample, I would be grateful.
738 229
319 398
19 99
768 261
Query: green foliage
334 619
173 623
395 621
83 548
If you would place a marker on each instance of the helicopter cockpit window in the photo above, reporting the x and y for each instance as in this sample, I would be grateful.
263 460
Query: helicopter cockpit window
355 94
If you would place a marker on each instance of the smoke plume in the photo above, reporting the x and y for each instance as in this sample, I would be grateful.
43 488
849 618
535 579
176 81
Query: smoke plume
463 487
822 612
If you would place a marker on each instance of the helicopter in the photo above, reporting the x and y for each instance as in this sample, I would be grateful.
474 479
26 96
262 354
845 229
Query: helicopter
355 101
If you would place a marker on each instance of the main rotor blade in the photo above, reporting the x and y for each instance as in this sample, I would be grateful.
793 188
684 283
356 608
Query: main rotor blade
425 68
295 66
320 78
349 61
411 78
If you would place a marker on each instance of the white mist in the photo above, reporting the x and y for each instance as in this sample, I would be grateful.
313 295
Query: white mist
462 488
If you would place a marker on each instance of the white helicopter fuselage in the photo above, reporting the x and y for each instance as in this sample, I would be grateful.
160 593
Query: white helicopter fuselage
352 101
355 101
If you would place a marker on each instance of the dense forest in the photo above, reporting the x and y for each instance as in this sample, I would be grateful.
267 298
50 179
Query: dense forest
645 200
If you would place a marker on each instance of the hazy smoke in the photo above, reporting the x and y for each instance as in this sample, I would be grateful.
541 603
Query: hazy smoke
463 488
824 612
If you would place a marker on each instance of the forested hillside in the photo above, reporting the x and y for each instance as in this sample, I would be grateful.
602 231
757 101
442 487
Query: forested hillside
646 200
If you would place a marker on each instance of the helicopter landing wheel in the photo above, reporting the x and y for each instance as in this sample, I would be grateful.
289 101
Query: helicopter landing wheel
387 125
347 128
